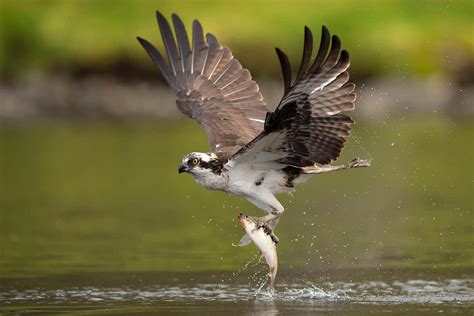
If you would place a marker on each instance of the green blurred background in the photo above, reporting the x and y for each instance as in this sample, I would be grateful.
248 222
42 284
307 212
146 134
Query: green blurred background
90 140
416 37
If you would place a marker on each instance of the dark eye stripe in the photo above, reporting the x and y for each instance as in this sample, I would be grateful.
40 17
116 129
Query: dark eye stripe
214 165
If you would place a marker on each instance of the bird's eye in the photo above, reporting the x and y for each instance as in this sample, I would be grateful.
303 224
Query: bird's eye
195 161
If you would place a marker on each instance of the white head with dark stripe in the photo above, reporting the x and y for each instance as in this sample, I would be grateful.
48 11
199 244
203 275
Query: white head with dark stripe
204 167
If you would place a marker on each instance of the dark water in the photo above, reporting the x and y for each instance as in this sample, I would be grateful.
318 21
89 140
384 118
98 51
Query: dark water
94 218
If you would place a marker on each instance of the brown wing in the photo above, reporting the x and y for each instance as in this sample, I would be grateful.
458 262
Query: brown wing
307 127
211 86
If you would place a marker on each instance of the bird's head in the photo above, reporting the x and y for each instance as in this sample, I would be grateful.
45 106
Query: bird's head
198 164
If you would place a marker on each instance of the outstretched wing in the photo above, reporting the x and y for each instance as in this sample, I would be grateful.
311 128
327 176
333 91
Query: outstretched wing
308 126
210 85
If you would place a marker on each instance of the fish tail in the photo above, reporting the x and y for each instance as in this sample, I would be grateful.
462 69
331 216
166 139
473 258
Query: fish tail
272 274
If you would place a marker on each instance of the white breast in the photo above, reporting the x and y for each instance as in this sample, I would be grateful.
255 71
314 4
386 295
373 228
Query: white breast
211 180
258 184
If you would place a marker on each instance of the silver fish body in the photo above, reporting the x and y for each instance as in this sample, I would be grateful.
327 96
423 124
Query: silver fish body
264 239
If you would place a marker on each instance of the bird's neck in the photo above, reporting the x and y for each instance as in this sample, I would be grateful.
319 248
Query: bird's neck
211 180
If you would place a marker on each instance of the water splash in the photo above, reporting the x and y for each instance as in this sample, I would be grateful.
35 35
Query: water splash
374 292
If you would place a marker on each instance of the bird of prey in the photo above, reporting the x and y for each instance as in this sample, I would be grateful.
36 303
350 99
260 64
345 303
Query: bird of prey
257 153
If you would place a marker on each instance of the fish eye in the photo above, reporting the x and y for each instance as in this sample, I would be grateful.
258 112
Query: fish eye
195 161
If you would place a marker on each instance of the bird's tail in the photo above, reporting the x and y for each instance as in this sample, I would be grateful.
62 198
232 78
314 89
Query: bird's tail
355 163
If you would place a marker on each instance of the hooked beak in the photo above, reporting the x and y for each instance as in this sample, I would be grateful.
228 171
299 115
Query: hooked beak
183 168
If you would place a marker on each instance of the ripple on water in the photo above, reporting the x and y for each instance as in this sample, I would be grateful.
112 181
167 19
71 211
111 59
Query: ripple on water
396 292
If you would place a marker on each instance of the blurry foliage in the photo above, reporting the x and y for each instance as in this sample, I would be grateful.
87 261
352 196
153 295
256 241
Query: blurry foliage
382 36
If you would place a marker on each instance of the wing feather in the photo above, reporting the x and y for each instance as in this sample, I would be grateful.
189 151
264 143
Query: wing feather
285 69
322 51
308 125
241 81
307 51
168 41
231 74
199 53
333 56
210 85
159 61
212 40
222 64
183 41
240 92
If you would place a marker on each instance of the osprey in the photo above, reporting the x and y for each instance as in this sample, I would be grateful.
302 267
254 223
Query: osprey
256 153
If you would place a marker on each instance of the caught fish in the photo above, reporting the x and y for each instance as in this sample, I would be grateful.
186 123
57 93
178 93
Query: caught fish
265 240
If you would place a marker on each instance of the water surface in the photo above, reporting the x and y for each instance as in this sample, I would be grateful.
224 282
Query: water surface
355 292
94 217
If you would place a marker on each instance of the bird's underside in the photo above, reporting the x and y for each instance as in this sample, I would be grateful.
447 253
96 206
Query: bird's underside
256 153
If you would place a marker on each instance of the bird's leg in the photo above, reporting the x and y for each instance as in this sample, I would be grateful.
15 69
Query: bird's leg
354 163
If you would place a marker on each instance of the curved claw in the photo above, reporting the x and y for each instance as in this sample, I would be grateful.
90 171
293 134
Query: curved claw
268 230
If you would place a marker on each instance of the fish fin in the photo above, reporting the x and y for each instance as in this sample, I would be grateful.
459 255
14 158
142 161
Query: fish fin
273 223
244 241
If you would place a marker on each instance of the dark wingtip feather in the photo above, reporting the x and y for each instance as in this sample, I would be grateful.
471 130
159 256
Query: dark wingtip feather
333 53
144 42
198 36
307 52
159 15
212 40
158 60
323 49
307 30
197 24
344 57
168 41
336 42
285 68
324 29
182 39
198 48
